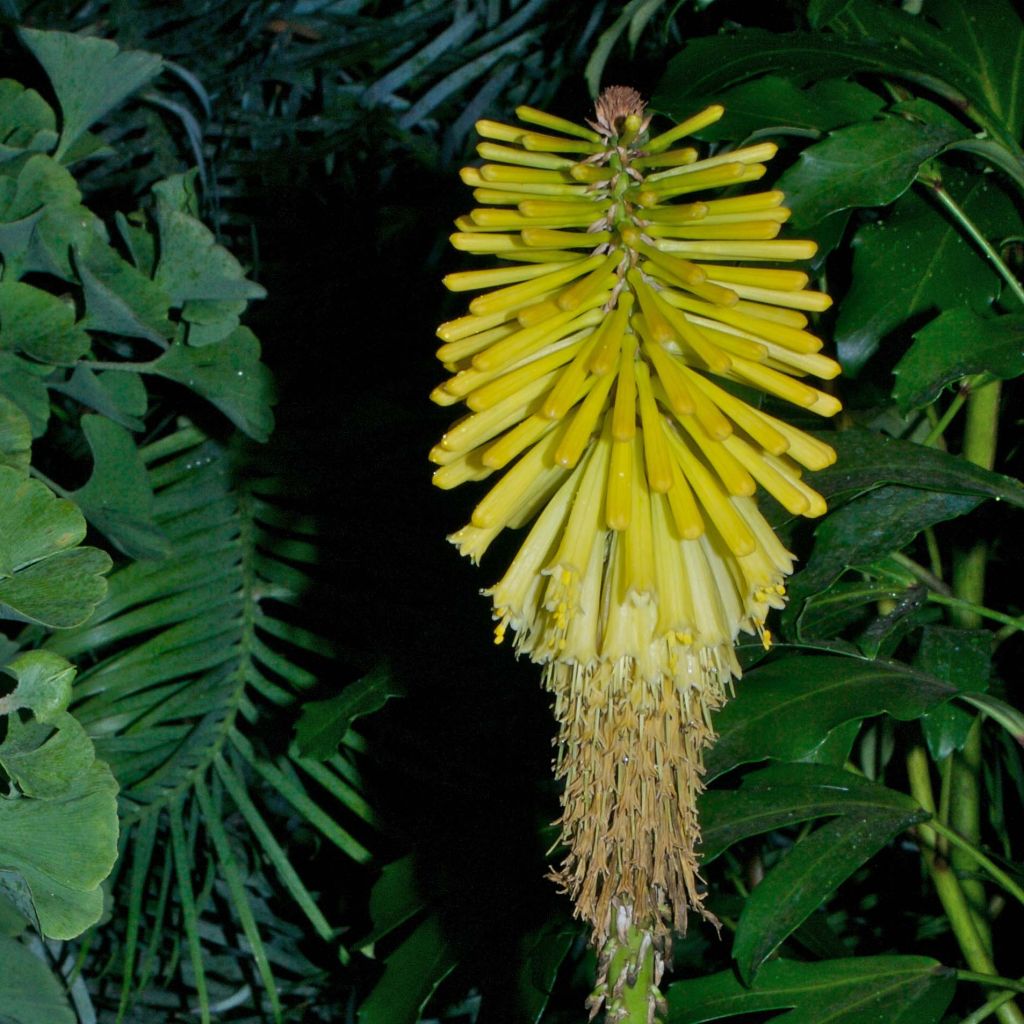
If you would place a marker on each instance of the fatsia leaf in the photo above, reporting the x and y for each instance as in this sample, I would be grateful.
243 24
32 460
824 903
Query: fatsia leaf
323 723
35 836
955 344
870 527
815 866
787 794
44 577
29 991
117 498
15 437
774 102
974 47
90 76
707 65
917 261
868 460
853 990
868 164
39 324
229 374
785 709
963 657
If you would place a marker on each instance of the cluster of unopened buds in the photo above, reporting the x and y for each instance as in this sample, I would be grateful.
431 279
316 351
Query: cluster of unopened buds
607 364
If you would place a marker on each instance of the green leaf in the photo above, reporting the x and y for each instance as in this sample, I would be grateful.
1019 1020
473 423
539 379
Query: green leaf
29 991
324 723
36 835
542 953
963 657
411 976
120 395
394 899
117 498
807 876
26 120
916 261
974 47
955 344
821 12
708 64
90 76
192 265
827 614
15 437
228 374
773 102
871 526
784 709
787 794
39 324
44 578
119 298
44 685
21 382
44 761
854 990
867 460
861 165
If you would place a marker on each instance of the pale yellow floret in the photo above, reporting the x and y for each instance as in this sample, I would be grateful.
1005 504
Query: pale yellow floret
619 499
474 280
559 124
748 155
706 117
657 460
772 249
507 384
582 425
515 294
624 407
522 158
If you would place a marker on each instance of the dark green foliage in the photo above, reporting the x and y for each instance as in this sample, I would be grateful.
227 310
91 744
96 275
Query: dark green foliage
291 842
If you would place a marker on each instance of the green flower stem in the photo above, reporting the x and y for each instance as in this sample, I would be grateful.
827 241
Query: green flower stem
951 895
632 961
980 240
993 869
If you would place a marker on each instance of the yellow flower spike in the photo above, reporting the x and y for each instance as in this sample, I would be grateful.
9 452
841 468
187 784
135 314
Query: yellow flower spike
598 359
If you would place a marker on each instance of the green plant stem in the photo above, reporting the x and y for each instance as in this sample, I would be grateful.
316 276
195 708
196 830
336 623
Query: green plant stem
990 251
993 869
952 897
980 436
986 979
1012 623
986 1010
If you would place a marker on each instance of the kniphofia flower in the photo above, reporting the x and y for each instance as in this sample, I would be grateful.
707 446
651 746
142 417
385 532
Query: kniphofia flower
603 363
